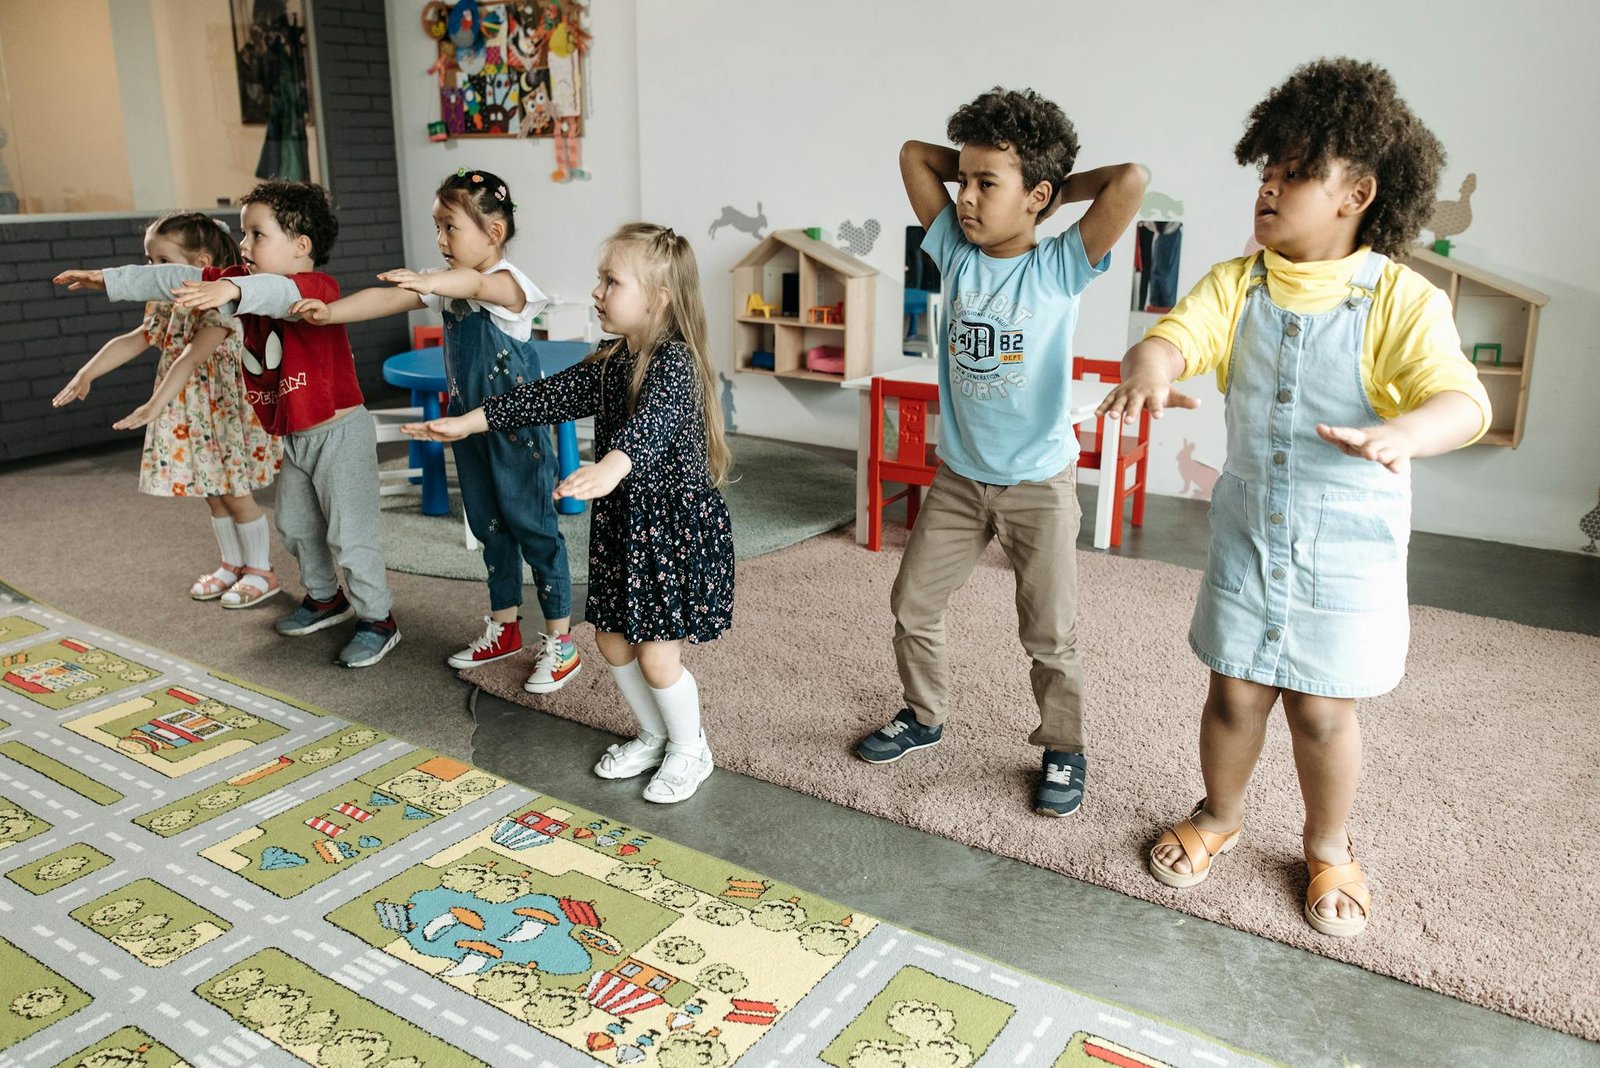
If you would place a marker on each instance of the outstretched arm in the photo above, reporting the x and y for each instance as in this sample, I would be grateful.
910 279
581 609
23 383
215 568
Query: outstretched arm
113 354
1443 422
499 288
1116 192
372 303
1148 371
925 168
201 346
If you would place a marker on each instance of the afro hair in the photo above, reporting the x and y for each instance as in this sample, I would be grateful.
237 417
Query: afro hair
1044 138
1348 111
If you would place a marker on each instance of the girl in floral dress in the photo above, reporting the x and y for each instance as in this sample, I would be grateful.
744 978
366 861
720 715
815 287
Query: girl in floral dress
202 439
661 544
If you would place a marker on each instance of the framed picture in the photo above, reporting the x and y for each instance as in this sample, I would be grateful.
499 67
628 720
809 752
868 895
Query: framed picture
269 42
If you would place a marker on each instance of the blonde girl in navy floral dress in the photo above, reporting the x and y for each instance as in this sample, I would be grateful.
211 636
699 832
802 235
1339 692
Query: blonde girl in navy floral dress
660 545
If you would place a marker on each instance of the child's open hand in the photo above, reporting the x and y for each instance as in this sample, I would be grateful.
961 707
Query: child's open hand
408 279
1383 444
449 428
312 311
597 479
205 296
75 390
81 280
1140 392
140 416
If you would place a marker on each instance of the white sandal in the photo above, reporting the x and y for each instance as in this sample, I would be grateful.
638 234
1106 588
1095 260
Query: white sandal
683 769
632 757
210 587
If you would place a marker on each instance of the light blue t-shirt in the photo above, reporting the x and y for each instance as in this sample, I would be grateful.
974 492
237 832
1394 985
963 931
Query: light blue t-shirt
1005 380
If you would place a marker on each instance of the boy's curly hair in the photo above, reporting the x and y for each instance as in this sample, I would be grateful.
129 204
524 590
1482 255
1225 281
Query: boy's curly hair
302 209
1045 140
1343 109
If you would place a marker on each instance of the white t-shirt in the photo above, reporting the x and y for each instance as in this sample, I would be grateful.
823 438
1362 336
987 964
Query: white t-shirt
516 325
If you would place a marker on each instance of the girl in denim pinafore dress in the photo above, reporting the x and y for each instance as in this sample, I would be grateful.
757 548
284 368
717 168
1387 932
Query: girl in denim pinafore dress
1342 369
507 479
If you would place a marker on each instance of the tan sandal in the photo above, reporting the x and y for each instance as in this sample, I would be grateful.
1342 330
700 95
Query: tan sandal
1346 877
1198 846
209 587
248 593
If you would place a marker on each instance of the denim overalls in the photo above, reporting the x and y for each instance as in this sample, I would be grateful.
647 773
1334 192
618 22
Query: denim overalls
506 477
1306 584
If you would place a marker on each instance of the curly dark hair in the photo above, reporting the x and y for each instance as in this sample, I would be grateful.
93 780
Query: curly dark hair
482 196
303 210
1045 139
1343 109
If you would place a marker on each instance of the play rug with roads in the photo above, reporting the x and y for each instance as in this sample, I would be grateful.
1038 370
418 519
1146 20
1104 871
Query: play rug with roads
194 871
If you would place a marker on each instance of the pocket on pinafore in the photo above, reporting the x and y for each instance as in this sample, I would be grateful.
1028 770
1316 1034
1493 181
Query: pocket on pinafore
1356 561
1231 545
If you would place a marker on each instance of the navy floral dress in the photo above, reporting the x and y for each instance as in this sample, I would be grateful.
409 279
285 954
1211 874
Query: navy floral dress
661 543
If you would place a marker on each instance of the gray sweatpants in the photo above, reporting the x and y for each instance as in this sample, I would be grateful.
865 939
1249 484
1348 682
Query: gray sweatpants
328 510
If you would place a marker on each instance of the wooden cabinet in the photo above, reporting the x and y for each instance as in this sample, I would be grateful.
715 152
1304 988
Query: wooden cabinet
832 301
1498 319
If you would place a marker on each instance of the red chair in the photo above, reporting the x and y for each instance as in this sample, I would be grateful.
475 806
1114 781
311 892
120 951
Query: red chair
424 337
1134 450
913 463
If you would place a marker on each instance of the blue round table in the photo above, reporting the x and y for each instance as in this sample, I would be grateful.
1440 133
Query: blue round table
422 372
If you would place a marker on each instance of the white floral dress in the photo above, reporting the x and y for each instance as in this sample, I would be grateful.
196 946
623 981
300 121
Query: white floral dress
207 441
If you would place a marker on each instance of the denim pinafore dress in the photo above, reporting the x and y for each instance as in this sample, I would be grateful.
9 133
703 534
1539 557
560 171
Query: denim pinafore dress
1305 587
506 477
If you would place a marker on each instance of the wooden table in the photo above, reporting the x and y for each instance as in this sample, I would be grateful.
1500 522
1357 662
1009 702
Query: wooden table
1086 397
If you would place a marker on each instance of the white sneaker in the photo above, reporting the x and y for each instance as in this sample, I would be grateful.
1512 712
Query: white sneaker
684 768
556 665
632 757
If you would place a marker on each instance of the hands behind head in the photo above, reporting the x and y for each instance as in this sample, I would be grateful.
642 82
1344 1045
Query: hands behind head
81 280
205 296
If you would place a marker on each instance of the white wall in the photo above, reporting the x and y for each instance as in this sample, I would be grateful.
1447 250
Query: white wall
559 227
803 108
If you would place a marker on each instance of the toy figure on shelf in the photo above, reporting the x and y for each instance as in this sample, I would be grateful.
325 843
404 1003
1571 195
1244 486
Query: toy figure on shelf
1451 217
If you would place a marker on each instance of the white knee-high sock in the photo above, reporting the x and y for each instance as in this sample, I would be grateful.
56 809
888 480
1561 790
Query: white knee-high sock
640 698
680 709
255 540
228 542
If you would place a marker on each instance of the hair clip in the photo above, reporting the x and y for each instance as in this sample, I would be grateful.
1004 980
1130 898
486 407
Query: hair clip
461 172
223 223
477 176
500 192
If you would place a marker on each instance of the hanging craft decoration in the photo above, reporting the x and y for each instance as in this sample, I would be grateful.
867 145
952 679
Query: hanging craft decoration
512 69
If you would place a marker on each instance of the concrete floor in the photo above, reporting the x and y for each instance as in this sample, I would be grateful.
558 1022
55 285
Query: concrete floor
1252 993
1249 992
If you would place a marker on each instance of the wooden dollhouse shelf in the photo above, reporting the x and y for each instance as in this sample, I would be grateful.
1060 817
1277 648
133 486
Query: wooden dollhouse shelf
1489 309
823 276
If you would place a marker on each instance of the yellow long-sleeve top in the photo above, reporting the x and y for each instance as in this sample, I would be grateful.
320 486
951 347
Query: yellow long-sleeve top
1410 351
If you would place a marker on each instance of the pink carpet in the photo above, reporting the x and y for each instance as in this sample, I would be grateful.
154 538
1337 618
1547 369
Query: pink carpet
1477 809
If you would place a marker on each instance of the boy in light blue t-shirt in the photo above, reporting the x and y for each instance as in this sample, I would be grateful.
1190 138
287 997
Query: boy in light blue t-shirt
1005 390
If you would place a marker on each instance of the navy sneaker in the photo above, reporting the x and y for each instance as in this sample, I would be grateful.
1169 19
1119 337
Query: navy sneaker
370 643
895 739
315 615
1060 791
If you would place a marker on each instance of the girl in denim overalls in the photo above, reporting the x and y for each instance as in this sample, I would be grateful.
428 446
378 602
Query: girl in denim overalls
507 479
1339 366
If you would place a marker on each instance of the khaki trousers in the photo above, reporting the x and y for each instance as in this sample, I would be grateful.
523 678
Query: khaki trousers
1037 526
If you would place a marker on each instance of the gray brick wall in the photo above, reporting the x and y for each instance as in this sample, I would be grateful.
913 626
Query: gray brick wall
46 334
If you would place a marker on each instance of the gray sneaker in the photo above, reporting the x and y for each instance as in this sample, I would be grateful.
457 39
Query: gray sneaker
1061 783
371 642
895 739
314 615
